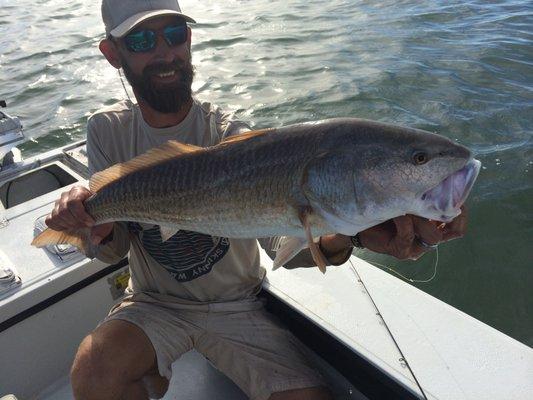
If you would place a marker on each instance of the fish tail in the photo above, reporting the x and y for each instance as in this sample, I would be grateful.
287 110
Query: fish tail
79 238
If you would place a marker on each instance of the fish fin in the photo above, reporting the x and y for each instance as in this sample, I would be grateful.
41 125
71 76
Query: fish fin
289 246
167 232
152 157
317 255
79 238
245 136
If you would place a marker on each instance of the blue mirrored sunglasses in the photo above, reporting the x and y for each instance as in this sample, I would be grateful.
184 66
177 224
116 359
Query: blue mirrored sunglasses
146 39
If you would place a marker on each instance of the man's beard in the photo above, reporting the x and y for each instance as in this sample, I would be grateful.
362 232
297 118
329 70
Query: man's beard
165 98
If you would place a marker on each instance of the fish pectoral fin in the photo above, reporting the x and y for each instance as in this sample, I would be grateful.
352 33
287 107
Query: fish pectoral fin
288 248
166 151
316 253
167 232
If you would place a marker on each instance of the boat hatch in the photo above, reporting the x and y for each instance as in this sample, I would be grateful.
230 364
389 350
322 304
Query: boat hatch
34 184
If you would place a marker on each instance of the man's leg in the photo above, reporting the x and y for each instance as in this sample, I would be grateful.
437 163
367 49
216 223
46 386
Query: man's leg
116 361
261 356
314 393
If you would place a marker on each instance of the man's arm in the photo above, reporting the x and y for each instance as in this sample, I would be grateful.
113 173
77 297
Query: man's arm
69 211
402 237
405 237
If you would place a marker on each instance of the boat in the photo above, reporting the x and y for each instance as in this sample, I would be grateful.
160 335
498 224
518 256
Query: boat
370 334
11 134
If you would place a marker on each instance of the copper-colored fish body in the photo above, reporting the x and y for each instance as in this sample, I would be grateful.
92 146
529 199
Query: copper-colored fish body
349 174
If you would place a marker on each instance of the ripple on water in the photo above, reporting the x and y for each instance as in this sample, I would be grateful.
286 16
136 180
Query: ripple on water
40 55
219 43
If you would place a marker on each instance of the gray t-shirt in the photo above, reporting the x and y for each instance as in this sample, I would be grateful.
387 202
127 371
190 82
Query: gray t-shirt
190 267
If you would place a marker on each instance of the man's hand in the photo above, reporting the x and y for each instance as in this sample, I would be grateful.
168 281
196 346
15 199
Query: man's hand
69 214
402 237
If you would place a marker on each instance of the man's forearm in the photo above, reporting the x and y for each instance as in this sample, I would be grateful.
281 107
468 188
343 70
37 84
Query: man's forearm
115 246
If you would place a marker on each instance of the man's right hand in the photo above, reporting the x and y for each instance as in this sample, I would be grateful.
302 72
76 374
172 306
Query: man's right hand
69 214
403 236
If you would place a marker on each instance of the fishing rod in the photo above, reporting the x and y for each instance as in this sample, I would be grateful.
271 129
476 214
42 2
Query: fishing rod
403 358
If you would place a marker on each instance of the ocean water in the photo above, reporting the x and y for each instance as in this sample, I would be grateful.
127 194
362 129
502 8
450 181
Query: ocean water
459 68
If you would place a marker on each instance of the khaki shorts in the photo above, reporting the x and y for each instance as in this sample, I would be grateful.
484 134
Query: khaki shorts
241 339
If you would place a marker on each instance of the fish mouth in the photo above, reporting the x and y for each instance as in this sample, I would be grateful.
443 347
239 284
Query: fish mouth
448 196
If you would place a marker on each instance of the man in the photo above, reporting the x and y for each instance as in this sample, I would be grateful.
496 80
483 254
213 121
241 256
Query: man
192 291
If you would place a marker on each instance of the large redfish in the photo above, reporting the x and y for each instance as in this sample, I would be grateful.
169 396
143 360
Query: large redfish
300 181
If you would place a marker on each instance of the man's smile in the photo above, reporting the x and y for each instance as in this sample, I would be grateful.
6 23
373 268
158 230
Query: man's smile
165 76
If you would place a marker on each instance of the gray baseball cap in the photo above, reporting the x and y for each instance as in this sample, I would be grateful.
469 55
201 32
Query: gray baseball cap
121 16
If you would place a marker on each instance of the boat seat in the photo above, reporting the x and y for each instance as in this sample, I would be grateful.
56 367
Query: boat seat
193 377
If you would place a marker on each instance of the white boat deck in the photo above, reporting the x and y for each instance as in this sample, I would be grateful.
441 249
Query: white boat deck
453 355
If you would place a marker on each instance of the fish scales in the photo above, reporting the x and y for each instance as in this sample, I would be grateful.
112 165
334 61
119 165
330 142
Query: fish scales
247 185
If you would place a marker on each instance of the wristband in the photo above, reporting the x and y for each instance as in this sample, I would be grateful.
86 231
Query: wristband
108 238
356 241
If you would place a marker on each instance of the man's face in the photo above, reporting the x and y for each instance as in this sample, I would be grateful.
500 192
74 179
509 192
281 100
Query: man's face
163 76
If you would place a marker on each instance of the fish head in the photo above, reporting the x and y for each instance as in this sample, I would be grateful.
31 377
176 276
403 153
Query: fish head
416 172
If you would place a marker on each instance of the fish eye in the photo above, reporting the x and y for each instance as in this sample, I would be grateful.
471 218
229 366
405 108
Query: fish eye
419 158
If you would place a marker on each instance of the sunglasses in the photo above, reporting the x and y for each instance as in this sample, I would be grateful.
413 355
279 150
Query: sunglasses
145 40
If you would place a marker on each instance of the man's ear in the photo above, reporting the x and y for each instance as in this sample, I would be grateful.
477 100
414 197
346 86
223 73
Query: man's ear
110 51
189 37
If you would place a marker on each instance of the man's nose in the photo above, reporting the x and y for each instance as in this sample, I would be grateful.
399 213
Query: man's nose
163 50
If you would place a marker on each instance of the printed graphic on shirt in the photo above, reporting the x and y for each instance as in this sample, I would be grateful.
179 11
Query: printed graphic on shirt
186 255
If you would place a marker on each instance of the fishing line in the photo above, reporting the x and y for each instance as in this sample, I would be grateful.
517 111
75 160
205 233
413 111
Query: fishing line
413 280
124 86
402 359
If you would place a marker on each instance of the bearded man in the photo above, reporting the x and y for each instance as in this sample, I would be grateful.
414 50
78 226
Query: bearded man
193 290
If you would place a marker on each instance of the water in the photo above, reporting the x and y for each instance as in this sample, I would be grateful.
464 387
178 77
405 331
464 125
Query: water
463 69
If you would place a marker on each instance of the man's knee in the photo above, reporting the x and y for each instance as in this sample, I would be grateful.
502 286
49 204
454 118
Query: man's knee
112 357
